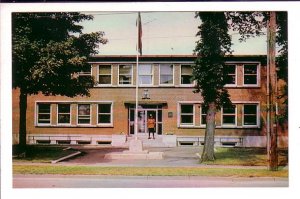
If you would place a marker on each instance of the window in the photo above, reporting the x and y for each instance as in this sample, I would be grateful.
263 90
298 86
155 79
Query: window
44 113
250 74
187 114
250 114
84 116
203 113
63 114
166 74
145 74
231 77
104 113
186 75
125 74
104 74
229 115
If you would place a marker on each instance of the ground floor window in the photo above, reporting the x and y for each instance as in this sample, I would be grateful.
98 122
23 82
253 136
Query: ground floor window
250 115
84 114
63 114
229 116
105 113
44 114
186 114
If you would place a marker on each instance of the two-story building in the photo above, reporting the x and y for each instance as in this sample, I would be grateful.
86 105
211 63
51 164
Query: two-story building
165 90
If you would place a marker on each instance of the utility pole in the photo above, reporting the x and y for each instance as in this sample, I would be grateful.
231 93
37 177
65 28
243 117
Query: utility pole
272 95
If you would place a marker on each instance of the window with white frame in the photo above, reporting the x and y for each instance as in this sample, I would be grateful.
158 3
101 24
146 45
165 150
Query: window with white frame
104 76
231 76
229 115
186 114
250 74
125 74
105 113
203 113
84 114
250 115
145 74
63 114
166 74
44 113
186 75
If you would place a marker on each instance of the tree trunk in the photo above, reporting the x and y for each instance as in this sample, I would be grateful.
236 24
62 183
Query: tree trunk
209 142
22 124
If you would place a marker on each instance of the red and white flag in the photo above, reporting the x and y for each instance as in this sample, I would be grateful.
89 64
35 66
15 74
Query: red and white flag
139 26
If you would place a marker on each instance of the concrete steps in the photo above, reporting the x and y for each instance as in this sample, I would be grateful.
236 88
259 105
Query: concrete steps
157 142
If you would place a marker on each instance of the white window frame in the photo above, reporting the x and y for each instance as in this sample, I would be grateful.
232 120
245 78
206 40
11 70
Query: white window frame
236 78
57 113
131 75
37 114
180 113
77 115
152 79
111 115
173 71
235 114
111 74
186 85
257 115
258 66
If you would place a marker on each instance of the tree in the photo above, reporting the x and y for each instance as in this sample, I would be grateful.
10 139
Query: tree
210 72
47 50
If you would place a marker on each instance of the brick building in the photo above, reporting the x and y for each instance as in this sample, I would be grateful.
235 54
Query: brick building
165 91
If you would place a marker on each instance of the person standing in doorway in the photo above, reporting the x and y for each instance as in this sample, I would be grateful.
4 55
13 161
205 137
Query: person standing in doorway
151 126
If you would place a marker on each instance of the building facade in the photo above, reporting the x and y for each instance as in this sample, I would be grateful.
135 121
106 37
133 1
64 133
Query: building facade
165 90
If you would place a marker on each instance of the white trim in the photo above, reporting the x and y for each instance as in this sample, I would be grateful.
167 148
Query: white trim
63 124
111 75
257 116
185 85
258 75
37 114
152 76
85 124
236 76
179 112
167 85
229 125
121 85
111 124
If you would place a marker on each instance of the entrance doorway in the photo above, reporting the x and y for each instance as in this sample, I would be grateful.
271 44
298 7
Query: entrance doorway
143 115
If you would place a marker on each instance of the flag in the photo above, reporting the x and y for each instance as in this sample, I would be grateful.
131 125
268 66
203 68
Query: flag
139 26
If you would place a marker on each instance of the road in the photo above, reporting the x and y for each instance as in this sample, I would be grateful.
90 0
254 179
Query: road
62 181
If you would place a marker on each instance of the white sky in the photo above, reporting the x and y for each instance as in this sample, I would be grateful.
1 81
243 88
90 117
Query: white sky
169 33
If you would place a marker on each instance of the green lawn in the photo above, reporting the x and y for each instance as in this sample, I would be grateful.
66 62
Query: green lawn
145 171
41 154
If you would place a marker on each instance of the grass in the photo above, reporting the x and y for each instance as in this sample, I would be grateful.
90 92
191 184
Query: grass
144 171
41 154
246 157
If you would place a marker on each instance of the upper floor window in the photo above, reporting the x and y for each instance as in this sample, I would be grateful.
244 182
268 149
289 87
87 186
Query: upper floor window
63 114
187 114
84 114
166 74
125 74
105 113
250 74
250 114
145 74
229 115
186 75
44 114
231 76
104 74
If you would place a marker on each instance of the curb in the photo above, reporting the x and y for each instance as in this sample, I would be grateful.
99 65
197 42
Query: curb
66 157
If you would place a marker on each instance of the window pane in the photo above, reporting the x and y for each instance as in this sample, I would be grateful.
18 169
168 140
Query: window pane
125 69
250 79
229 110
145 79
229 119
44 108
166 79
104 69
250 109
145 69
230 69
186 79
188 108
203 119
230 79
186 70
83 109
104 119
187 119
63 108
64 119
166 69
250 69
104 108
104 79
250 120
124 79
159 118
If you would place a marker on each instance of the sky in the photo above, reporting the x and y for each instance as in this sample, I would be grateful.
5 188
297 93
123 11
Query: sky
164 33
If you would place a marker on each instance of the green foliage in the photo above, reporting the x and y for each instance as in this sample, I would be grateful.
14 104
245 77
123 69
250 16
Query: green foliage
209 70
48 49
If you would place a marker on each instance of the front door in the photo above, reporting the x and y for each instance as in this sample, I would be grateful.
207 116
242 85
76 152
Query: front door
143 115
